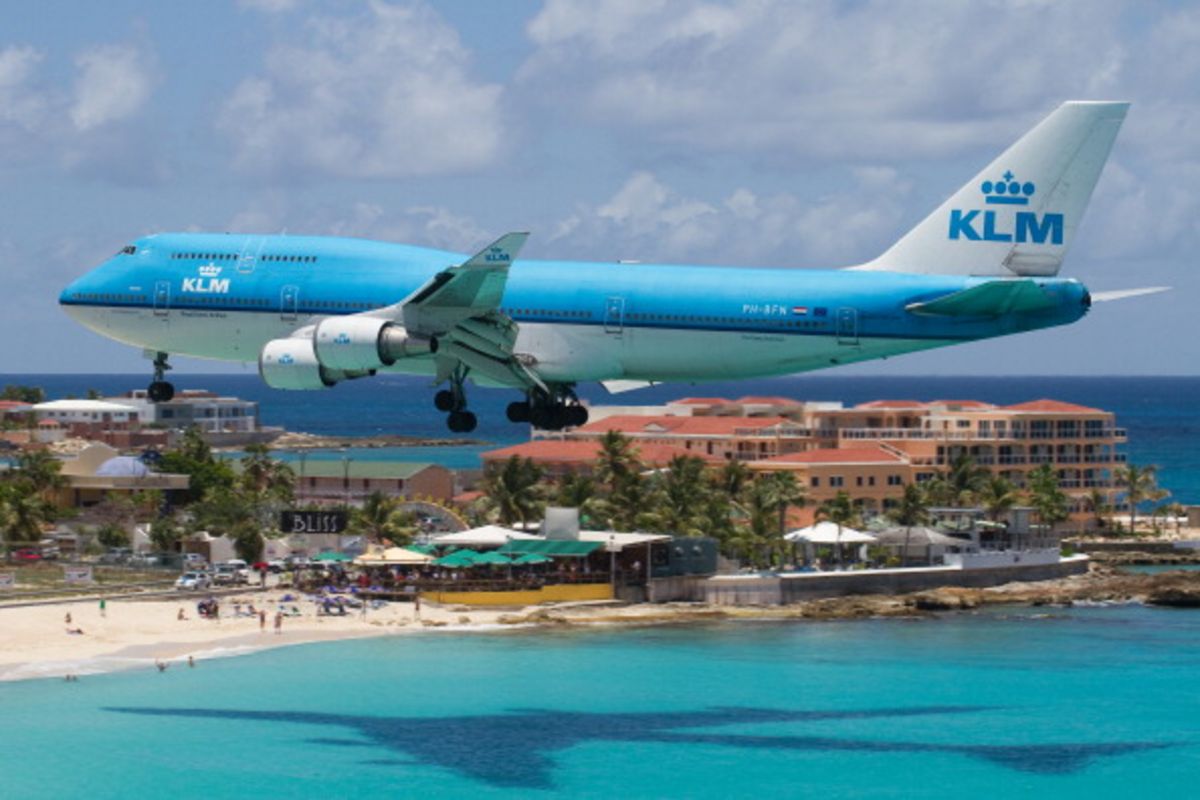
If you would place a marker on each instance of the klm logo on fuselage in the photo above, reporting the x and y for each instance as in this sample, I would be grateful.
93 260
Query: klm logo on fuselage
1029 227
208 282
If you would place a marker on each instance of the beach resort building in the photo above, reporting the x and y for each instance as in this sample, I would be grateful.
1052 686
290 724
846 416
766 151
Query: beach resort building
100 470
873 449
210 412
352 481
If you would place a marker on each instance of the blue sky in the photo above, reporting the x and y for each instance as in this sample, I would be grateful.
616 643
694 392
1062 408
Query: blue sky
761 132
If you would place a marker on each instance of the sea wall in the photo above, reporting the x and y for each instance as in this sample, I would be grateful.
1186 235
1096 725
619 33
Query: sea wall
557 593
767 590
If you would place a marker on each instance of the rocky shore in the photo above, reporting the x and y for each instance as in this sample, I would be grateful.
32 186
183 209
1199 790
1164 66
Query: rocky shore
1101 584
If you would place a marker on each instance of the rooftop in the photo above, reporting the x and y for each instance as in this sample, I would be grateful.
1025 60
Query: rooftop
361 469
681 426
587 450
85 406
841 455
1052 407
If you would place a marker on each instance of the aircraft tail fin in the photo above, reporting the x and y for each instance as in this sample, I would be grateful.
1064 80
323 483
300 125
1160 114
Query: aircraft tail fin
1019 215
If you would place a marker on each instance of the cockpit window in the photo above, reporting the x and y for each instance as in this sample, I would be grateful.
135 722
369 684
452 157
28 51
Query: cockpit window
128 250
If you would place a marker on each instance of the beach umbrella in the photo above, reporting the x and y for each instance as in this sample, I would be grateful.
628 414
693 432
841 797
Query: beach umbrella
331 557
459 558
491 557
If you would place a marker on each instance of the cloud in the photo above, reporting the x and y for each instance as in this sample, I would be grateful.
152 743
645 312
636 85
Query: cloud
21 105
383 94
868 80
648 220
113 84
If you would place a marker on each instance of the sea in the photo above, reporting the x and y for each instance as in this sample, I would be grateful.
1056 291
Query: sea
1082 702
1093 702
1160 413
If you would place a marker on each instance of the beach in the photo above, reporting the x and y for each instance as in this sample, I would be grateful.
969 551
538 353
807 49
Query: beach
136 633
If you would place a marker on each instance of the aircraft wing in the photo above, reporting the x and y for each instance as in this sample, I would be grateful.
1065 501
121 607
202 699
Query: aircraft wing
459 308
471 289
989 299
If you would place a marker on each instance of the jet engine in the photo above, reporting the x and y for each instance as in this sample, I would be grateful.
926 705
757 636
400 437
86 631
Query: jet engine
355 344
292 364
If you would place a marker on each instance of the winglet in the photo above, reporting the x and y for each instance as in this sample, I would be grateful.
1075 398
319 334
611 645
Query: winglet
500 253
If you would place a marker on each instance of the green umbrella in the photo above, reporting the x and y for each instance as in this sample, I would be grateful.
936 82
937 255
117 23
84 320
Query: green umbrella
459 558
532 558
490 558
331 557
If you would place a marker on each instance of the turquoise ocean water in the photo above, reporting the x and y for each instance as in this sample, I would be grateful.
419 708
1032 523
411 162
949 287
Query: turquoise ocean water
1063 703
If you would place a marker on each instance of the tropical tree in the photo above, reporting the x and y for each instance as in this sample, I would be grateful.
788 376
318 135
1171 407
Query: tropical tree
841 512
194 458
617 460
732 478
1049 502
966 479
381 517
576 490
22 514
1139 483
1096 502
913 509
40 471
684 497
265 476
513 490
758 504
997 495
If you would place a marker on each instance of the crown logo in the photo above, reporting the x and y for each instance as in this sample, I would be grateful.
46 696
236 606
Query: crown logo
210 271
1007 191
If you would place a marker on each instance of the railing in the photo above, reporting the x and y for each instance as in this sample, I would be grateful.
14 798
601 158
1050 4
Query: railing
923 434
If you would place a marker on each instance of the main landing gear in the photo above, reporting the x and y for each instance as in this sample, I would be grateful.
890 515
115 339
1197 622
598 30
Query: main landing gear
454 402
550 412
160 390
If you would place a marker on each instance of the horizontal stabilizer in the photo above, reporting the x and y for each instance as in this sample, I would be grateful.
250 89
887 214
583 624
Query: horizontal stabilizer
989 299
620 386
1122 294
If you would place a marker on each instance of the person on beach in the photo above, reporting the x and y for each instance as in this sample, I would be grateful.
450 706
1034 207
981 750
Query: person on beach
75 631
278 622
262 620
181 616
191 661
67 618
417 605
102 607
162 665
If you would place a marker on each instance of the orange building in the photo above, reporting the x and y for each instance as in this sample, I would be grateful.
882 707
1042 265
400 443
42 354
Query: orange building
563 457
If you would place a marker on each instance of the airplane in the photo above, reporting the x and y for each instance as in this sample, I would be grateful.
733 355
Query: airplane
314 311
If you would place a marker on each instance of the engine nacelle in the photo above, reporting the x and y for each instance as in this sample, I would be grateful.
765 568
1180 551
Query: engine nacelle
292 364
356 344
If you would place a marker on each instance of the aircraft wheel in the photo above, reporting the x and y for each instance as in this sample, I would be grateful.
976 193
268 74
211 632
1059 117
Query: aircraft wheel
444 400
160 392
518 411
461 422
575 416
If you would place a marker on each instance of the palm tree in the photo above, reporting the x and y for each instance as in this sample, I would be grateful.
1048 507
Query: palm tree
840 511
512 489
758 504
913 509
732 478
684 495
22 514
1096 501
1139 484
578 491
966 479
381 517
1049 502
997 495
264 475
617 459
40 471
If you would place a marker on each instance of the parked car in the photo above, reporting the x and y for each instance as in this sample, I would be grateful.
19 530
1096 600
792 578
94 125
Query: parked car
117 555
229 573
194 561
27 554
145 560
192 581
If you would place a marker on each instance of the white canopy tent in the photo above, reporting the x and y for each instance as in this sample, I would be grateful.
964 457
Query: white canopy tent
826 532
392 556
487 536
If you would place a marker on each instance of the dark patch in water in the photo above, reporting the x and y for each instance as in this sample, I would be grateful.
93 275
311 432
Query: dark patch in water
513 750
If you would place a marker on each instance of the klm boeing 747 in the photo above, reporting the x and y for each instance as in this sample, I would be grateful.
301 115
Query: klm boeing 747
313 311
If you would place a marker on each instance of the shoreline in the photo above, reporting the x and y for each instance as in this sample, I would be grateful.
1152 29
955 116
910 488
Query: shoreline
135 633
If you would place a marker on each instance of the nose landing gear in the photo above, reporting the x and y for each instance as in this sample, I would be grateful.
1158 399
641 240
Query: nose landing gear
160 390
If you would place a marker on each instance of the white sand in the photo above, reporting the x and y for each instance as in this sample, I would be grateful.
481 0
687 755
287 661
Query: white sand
34 641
